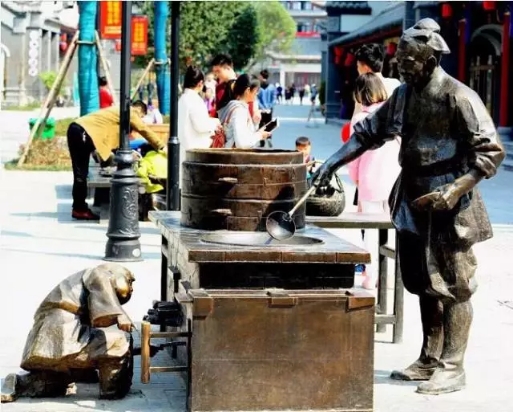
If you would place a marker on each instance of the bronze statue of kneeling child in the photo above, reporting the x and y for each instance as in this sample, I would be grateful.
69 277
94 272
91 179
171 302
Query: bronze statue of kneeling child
71 341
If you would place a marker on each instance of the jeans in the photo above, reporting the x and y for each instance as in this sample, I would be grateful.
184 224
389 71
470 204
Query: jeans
80 148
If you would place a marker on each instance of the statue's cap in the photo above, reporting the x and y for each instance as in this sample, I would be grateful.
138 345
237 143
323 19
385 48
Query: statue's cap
427 31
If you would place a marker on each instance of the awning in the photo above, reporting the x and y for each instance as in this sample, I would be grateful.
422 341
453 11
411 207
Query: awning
389 19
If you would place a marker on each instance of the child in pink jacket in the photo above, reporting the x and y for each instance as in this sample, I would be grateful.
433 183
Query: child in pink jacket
376 171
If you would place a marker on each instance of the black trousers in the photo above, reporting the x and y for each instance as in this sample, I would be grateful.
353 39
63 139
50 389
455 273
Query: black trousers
80 148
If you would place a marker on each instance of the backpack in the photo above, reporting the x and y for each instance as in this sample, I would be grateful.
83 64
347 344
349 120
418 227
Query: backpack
219 139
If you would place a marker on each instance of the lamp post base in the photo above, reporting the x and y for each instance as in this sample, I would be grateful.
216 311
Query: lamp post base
121 250
123 233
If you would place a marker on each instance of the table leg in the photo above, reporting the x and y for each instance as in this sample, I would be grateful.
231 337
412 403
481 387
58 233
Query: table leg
398 301
163 279
383 278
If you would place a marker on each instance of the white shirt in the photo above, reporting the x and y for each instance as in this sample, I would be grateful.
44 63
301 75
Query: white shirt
195 126
240 130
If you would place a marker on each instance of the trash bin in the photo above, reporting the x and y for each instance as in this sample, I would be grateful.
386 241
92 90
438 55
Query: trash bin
48 129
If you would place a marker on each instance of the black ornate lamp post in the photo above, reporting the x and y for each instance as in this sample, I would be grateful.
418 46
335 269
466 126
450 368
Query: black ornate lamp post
173 146
123 233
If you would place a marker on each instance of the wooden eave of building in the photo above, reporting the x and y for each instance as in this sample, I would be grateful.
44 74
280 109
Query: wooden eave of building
348 7
388 23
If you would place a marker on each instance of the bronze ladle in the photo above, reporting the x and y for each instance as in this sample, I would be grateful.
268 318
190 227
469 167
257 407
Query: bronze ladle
280 225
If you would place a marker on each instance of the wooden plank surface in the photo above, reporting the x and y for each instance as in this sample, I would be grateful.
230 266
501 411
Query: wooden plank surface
352 221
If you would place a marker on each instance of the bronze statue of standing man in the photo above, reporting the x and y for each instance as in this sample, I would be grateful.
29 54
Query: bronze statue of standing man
449 143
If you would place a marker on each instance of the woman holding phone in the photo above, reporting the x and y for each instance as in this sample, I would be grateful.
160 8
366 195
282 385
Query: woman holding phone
240 129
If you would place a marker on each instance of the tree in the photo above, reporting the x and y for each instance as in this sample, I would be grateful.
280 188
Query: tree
208 28
277 29
243 37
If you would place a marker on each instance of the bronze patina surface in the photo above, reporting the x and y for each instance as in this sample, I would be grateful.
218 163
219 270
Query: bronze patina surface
237 189
187 243
281 350
448 145
69 341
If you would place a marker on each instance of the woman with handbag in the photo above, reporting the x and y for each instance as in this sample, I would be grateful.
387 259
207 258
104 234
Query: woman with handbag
239 128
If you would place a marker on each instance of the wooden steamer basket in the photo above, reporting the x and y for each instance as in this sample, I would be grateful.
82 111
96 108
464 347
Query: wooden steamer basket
235 189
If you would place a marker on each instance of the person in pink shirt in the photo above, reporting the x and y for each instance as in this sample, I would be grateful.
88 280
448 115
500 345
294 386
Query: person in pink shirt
376 171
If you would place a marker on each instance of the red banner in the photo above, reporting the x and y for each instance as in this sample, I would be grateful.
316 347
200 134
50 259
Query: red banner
110 19
139 35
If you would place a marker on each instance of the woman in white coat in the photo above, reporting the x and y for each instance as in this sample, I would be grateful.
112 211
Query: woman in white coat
195 127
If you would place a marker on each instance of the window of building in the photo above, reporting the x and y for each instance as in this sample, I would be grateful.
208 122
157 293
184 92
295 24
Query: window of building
295 5
306 5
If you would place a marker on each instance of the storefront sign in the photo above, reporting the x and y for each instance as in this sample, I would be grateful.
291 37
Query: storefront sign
110 19
139 35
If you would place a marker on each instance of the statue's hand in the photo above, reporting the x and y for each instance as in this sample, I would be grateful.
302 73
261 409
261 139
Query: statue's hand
322 176
444 198
124 323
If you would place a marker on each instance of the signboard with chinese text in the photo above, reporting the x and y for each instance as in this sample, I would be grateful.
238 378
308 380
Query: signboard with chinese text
110 19
139 35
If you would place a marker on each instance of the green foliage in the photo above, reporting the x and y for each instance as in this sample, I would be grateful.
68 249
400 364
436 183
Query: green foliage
243 37
48 78
208 28
277 28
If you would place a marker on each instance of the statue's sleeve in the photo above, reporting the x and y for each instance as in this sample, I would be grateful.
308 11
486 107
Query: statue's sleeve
382 125
480 136
103 303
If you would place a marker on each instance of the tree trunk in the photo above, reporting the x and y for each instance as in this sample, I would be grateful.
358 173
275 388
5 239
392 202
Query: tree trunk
161 60
87 59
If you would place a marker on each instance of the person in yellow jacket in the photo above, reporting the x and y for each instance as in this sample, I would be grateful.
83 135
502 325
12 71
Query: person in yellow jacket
152 170
100 131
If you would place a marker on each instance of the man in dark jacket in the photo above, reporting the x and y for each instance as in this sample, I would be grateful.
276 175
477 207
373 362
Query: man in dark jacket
449 144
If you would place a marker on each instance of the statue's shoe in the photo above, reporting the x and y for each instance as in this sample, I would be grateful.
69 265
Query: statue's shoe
415 372
9 388
443 381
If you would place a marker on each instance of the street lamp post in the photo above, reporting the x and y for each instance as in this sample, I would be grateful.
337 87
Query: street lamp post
173 148
123 233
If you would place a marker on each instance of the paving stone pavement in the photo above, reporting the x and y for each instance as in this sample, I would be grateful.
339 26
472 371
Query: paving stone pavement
40 245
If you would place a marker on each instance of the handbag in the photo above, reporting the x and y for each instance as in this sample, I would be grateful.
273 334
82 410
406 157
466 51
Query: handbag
219 138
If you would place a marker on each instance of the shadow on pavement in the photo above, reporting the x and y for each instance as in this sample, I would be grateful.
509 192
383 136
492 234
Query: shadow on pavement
382 377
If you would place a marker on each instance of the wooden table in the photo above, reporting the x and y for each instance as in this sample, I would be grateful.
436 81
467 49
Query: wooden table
382 223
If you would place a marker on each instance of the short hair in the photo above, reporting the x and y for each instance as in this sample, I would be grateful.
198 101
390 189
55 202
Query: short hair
369 89
102 81
243 83
222 60
372 55
193 75
265 74
141 105
303 141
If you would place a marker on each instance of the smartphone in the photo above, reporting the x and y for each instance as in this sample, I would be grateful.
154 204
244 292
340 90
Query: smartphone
273 124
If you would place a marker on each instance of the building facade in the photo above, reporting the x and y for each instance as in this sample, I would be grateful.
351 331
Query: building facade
478 34
30 46
303 64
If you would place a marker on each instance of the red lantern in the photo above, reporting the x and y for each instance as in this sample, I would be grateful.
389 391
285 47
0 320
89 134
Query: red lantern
63 46
349 61
489 5
446 11
117 45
